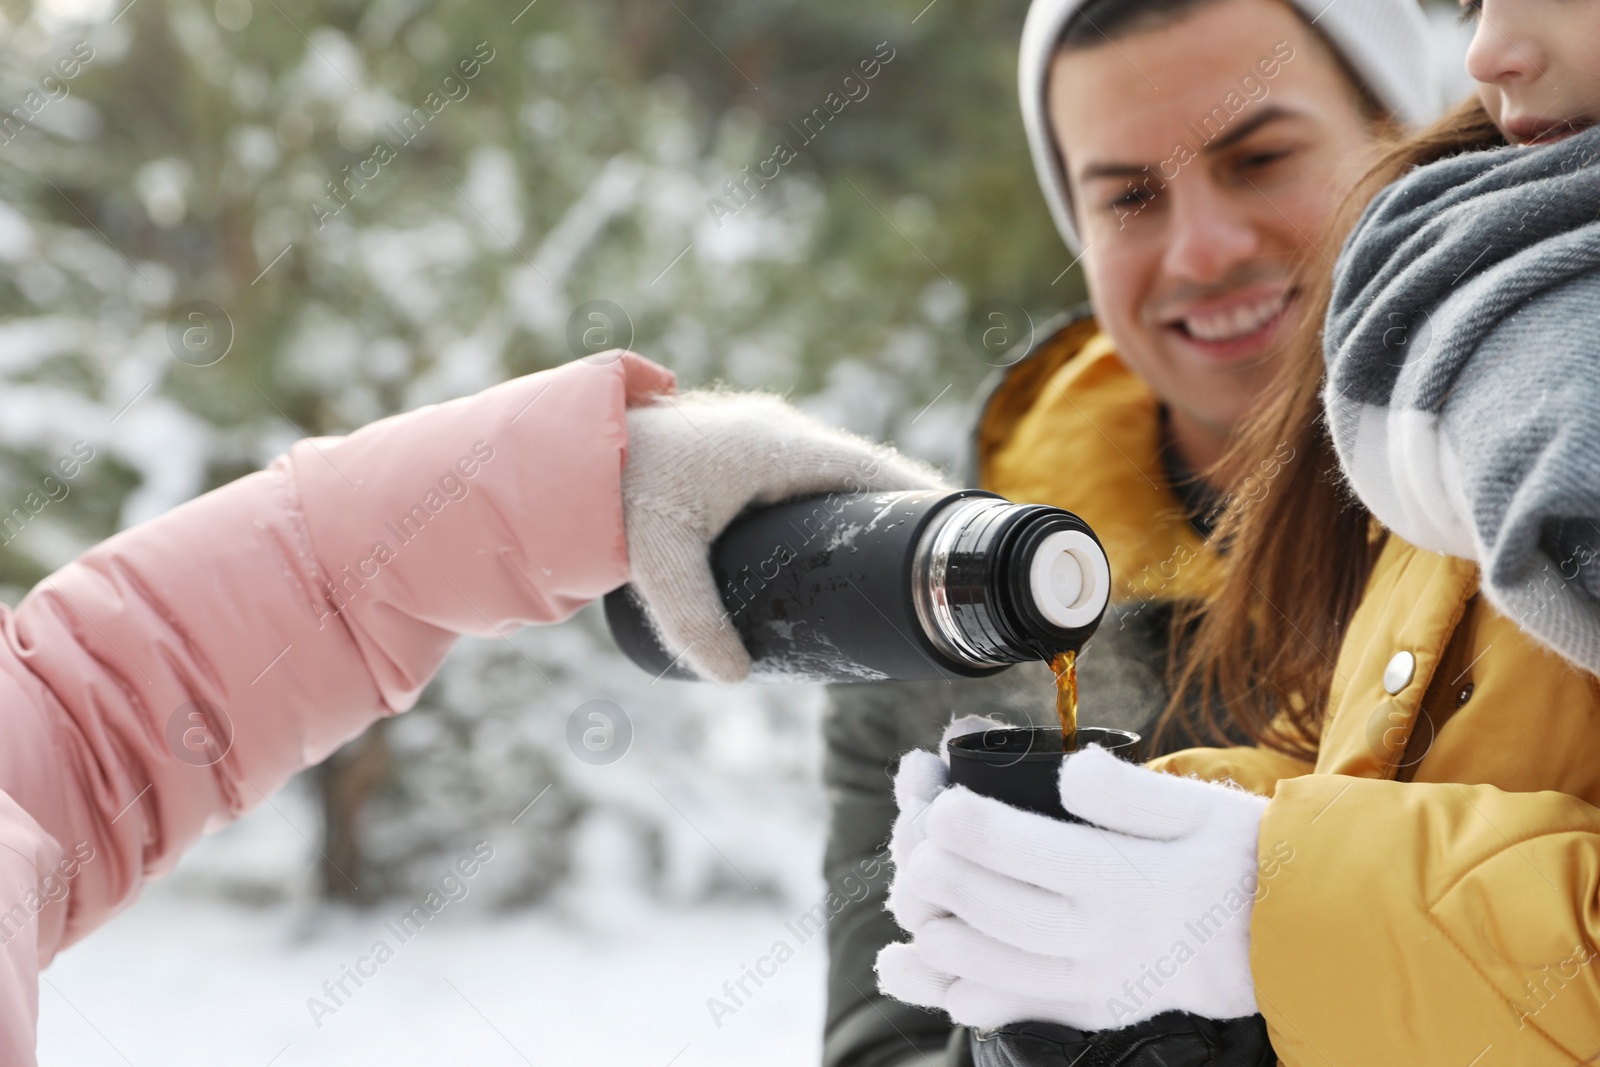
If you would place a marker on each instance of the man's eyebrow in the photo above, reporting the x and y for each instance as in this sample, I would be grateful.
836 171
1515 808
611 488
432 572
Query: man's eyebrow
1268 114
1263 116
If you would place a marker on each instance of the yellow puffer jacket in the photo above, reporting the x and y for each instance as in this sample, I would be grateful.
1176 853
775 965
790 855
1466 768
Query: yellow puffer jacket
1440 899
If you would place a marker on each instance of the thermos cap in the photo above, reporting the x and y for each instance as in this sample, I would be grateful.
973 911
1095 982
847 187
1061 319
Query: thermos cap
1070 579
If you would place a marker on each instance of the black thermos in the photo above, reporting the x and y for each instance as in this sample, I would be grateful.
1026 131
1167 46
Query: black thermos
917 585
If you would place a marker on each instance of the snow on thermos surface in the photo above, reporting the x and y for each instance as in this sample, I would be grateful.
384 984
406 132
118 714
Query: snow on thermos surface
916 585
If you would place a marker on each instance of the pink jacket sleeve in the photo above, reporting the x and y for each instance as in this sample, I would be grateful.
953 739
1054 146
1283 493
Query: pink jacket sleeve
173 676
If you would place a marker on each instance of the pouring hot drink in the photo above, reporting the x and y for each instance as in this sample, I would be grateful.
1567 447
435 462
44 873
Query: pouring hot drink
935 584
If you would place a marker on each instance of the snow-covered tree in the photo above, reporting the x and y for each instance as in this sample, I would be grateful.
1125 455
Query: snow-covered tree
225 225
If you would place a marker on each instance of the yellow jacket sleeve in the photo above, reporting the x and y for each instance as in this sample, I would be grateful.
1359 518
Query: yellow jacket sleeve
1426 923
1256 769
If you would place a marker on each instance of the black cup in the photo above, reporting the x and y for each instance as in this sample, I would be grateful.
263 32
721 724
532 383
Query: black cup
1023 767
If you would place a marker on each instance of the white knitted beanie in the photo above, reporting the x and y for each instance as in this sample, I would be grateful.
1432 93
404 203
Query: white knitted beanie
1385 42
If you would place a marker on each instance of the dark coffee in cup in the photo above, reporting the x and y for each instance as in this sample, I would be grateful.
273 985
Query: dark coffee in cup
1022 767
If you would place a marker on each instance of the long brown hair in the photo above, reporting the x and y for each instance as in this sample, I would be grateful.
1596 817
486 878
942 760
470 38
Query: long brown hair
1298 552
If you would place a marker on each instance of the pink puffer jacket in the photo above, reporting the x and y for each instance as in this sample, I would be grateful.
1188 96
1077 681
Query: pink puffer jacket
172 677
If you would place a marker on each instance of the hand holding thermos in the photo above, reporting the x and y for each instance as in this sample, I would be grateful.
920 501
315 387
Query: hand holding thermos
697 460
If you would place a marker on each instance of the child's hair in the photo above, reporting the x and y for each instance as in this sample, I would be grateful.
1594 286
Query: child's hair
1298 557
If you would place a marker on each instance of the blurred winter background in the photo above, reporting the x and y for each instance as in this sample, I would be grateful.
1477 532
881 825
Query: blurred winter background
184 291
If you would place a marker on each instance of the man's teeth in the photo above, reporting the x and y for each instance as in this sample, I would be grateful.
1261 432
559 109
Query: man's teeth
1237 323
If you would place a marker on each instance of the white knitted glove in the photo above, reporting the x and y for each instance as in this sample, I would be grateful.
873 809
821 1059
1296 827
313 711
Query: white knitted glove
1018 916
694 462
921 778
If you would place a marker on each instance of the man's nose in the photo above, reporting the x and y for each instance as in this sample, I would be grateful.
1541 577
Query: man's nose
1500 53
1211 235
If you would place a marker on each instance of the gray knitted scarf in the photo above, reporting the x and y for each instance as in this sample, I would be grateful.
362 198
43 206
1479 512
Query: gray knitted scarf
1463 386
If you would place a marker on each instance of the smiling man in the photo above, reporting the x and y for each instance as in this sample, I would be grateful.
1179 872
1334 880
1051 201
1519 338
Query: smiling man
1192 153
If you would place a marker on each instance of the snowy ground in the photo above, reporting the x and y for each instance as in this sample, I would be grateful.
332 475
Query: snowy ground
179 981
601 973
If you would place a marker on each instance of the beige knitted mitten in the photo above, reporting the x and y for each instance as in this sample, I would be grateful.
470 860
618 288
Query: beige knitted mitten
694 462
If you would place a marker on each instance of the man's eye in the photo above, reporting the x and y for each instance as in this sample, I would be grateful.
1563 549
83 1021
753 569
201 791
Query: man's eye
1133 198
1257 160
1470 10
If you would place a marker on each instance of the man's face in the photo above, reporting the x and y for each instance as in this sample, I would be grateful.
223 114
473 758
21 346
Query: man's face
1205 158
